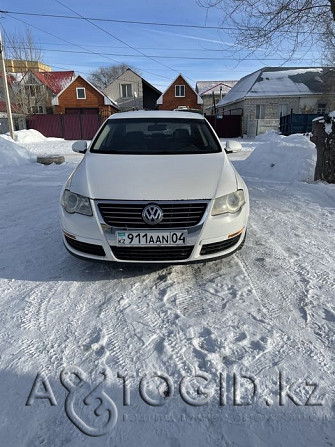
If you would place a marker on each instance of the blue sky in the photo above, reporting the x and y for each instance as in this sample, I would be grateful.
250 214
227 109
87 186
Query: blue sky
172 50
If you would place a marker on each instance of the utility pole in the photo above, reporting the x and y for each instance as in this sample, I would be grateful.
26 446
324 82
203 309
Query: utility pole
4 77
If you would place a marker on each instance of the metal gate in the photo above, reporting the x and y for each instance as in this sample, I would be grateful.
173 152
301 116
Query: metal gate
68 126
229 126
297 123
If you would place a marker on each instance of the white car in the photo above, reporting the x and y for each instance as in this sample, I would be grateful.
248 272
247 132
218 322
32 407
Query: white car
154 187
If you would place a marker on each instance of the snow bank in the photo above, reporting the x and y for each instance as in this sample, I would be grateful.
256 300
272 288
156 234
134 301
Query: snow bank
280 158
51 146
29 136
12 154
39 145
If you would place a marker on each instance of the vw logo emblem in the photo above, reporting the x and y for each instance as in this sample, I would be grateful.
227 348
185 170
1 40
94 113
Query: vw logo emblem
152 214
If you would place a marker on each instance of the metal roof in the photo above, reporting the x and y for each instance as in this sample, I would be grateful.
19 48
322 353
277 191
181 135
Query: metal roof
281 81
56 81
208 87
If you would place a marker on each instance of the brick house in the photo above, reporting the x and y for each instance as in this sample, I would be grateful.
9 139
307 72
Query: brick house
131 92
211 93
82 97
267 94
179 95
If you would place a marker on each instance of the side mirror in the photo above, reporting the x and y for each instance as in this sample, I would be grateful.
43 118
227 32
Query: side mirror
233 146
80 146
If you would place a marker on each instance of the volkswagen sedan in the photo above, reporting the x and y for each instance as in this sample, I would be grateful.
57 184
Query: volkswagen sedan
154 187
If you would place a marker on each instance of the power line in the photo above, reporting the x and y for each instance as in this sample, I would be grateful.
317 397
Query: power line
117 38
99 19
86 73
137 22
60 38
73 44
143 48
280 58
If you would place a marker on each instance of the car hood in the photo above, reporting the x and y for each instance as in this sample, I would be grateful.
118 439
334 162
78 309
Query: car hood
154 177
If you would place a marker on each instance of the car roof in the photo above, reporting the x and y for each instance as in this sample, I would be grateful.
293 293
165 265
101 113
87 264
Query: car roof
156 114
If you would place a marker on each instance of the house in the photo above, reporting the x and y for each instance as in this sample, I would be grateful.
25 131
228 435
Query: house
180 95
18 118
131 92
22 66
82 97
35 90
211 93
267 94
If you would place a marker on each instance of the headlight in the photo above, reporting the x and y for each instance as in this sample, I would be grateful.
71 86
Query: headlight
230 203
75 203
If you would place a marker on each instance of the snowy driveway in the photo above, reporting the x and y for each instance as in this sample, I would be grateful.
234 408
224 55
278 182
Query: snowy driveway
266 312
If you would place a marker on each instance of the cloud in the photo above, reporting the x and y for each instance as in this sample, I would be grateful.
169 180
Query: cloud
186 36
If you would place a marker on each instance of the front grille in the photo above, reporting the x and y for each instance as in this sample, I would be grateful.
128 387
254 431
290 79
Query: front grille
175 215
152 253
90 249
209 249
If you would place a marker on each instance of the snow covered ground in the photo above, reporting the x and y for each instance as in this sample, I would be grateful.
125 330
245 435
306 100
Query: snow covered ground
266 314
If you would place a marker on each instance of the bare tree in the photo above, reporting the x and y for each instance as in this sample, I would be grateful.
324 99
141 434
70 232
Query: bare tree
103 76
22 47
283 26
31 94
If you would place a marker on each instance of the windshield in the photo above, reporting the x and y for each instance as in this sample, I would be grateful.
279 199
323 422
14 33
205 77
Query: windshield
156 136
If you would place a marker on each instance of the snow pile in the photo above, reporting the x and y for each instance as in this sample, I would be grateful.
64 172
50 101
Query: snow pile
12 154
51 146
29 136
280 158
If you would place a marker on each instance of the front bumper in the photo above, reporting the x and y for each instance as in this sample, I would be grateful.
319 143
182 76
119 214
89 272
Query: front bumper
213 237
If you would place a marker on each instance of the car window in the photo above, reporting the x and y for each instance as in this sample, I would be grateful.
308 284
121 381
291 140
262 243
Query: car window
156 136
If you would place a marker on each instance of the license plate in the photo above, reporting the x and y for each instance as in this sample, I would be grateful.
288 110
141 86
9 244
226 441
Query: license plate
147 238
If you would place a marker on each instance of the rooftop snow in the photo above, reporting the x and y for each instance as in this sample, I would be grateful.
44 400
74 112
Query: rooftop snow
275 82
241 89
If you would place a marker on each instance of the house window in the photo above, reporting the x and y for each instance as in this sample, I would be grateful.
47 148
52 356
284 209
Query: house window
31 90
36 109
126 91
180 91
322 108
81 93
260 111
283 110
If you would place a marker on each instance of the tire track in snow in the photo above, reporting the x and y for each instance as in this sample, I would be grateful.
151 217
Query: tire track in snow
33 339
280 311
164 324
271 313
308 277
118 345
